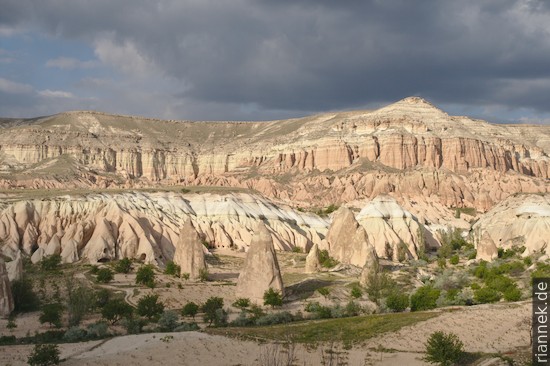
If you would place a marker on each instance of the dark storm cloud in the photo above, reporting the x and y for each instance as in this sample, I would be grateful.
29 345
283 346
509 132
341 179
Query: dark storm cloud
313 55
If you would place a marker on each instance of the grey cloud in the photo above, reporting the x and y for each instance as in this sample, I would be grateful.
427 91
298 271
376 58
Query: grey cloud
313 55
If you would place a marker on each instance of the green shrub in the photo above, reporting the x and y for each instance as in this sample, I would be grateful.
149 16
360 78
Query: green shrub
24 297
123 266
380 285
203 274
397 301
75 334
424 298
8 340
442 262
172 269
454 260
50 262
242 303
275 318
102 297
104 275
297 250
243 320
190 309
475 286
486 295
324 291
356 292
512 294
80 301
186 327
273 298
319 311
353 308
133 325
326 260
444 349
500 283
44 355
149 306
473 255
98 330
168 321
528 261
51 313
146 276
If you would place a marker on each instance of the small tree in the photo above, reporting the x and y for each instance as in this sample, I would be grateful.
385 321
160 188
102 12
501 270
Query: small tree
44 355
51 313
190 309
149 306
123 266
273 298
104 275
356 292
146 276
397 301
444 349
210 307
172 269
168 321
80 300
115 310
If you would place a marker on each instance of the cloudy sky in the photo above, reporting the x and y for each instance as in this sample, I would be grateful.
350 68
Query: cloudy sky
253 60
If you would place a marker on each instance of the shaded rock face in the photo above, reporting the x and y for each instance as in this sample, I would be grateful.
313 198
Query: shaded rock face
388 226
189 253
15 268
348 242
312 260
261 269
521 220
6 298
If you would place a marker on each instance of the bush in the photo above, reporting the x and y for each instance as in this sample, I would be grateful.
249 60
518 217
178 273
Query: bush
187 327
203 274
512 294
133 325
397 301
380 285
51 313
454 260
80 301
123 266
356 292
444 349
102 297
326 260
242 303
275 318
242 320
44 355
75 334
190 309
324 291
50 263
7 340
24 298
527 261
115 310
97 330
172 269
319 311
146 276
220 319
210 307
442 262
149 306
486 295
168 321
424 298
104 275
273 298
353 309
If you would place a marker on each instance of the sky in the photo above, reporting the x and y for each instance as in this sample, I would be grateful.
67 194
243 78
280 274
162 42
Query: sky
262 60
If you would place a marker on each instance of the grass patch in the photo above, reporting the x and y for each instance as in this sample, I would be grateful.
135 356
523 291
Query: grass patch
351 330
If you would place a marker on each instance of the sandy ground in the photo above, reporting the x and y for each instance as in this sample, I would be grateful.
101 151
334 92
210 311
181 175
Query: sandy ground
487 328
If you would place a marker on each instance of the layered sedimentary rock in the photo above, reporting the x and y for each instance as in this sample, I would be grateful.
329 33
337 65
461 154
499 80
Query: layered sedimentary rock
189 253
348 242
409 148
146 226
521 220
261 268
390 227
6 298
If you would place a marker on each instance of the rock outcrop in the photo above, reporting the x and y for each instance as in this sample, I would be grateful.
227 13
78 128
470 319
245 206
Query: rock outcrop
261 269
15 268
486 248
348 242
189 253
521 220
312 260
390 227
146 226
6 298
